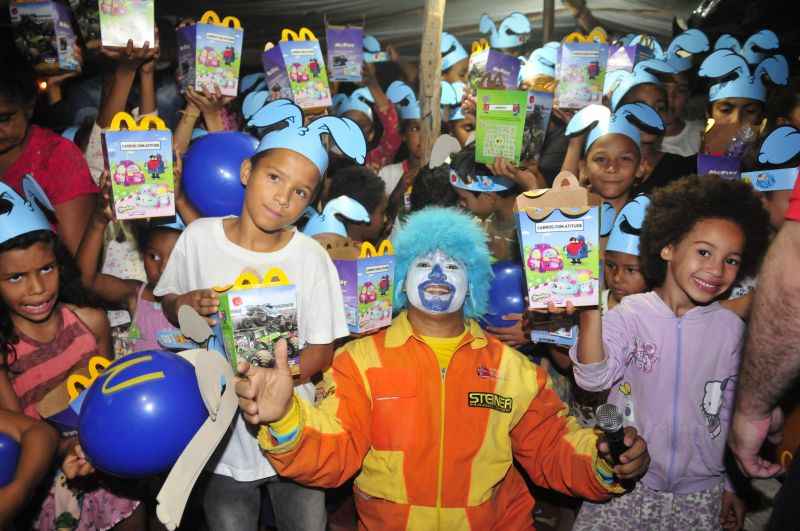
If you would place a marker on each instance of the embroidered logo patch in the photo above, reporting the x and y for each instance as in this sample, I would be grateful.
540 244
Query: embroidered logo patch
487 373
491 401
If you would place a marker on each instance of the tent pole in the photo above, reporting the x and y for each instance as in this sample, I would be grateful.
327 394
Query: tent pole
430 75
548 20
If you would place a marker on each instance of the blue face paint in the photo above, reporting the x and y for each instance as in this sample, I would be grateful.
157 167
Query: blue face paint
436 283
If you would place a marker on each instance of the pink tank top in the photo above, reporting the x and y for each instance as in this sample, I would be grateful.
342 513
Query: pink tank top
38 368
147 323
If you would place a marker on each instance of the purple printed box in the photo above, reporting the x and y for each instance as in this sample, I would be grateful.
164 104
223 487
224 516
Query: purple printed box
724 166
580 72
295 69
43 33
625 57
345 56
492 69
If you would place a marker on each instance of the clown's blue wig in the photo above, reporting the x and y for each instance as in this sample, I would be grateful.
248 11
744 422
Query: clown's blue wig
455 234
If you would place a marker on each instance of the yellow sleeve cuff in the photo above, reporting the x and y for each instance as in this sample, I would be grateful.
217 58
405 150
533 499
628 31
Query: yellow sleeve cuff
290 420
274 442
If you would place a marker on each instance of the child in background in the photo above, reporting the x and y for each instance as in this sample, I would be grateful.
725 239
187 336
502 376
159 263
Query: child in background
280 180
670 356
38 444
399 177
361 184
432 188
783 106
681 137
455 60
47 330
623 274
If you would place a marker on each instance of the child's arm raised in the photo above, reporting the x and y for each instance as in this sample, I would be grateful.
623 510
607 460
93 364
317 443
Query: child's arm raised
128 60
314 359
210 106
185 208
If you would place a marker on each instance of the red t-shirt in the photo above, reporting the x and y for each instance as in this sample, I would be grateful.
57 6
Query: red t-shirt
57 165
793 212
384 152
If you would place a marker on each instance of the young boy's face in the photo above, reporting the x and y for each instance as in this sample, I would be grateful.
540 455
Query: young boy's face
457 72
610 165
623 275
776 203
677 97
157 253
279 187
462 129
412 137
481 205
737 111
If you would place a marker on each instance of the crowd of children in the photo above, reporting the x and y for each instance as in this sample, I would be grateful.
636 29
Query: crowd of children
680 250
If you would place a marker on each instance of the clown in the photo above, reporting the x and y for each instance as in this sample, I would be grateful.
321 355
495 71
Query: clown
397 403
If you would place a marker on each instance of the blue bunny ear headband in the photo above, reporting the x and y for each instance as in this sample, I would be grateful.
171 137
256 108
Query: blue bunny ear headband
731 74
306 140
21 214
467 174
328 222
607 215
756 48
514 30
678 53
542 62
406 101
337 101
360 100
452 51
619 82
781 149
628 120
372 47
252 83
448 99
624 236
457 113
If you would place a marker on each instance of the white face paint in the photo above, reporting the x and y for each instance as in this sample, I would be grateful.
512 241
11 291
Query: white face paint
436 283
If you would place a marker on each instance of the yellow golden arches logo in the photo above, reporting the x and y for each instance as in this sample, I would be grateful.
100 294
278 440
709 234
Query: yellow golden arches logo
597 35
303 34
211 17
248 279
144 124
97 364
368 250
479 46
113 372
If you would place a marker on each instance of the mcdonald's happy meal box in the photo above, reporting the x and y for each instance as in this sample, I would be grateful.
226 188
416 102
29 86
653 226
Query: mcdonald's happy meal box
295 69
139 162
210 54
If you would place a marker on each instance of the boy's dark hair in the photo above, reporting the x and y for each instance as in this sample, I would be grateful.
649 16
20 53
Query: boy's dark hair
432 188
359 183
144 232
463 163
781 102
70 289
675 209
258 157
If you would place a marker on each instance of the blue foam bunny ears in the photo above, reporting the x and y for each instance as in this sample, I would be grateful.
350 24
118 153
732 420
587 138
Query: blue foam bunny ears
781 149
70 132
514 30
406 101
457 112
607 215
360 100
678 53
307 140
372 47
328 223
21 214
624 237
449 98
337 101
619 82
734 77
253 82
756 48
628 120
452 51
542 62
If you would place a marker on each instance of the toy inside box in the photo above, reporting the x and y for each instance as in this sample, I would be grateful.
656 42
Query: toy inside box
366 276
123 20
295 69
43 33
210 54
255 314
87 15
559 233
139 162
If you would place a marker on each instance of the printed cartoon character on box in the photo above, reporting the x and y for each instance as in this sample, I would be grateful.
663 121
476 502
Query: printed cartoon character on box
383 285
155 166
573 283
593 69
367 294
229 55
128 173
543 257
208 57
577 249
313 65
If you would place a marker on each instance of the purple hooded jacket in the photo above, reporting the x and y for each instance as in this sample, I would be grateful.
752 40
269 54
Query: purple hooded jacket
674 380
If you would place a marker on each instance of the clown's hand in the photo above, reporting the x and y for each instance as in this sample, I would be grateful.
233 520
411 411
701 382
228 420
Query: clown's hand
265 394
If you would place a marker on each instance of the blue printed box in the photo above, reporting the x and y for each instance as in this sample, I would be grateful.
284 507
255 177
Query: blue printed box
43 33
210 54
345 56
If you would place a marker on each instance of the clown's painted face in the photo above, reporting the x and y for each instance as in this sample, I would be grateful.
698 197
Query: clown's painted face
436 283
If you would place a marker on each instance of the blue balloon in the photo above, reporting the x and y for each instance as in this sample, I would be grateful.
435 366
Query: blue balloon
9 457
140 414
506 293
211 169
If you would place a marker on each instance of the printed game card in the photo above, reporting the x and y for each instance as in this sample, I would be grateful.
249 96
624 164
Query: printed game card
501 118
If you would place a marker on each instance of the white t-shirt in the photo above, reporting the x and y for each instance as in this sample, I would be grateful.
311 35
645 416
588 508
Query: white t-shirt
391 175
687 142
204 257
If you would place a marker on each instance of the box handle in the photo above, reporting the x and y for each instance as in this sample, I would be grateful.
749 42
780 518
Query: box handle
211 17
97 364
566 179
479 46
275 277
597 35
143 125
384 249
304 34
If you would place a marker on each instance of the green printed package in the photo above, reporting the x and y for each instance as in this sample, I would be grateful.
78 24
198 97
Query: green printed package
500 124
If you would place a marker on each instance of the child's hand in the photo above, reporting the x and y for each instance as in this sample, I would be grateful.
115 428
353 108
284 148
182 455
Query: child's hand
265 395
633 462
204 301
129 57
208 103
103 211
149 66
526 179
468 104
731 516
368 73
75 464
513 335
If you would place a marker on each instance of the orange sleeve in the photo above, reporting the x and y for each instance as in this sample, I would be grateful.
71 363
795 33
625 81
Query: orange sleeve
333 436
555 451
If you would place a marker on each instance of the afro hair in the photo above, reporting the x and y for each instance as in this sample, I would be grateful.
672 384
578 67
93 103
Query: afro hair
675 210
456 234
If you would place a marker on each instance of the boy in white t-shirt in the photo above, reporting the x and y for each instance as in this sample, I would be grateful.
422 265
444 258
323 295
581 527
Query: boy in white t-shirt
280 180
682 137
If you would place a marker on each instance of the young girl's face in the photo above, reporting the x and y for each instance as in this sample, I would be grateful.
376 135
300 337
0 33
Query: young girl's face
29 282
462 129
704 264
737 111
623 275
610 166
412 137
157 253
279 187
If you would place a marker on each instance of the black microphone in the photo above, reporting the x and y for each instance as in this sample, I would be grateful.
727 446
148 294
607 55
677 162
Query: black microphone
609 419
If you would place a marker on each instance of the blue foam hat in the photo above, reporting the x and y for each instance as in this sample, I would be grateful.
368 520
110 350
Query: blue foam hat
619 82
514 31
458 113
624 236
406 101
328 222
678 53
734 77
781 149
542 62
174 223
756 48
21 214
307 140
607 215
337 101
452 51
371 46
448 99
628 120
252 82
360 100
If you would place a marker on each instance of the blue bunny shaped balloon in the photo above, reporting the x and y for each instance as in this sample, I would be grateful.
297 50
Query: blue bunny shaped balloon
734 77
629 120
780 153
513 31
